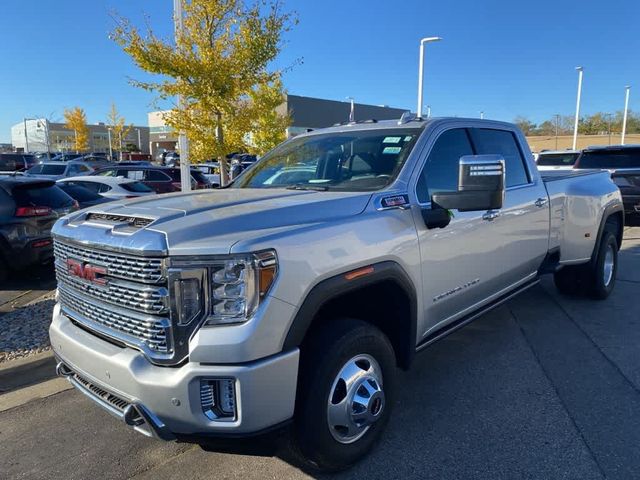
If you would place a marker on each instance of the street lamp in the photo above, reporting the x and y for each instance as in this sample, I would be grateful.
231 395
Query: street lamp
428 111
626 110
557 116
575 124
481 115
185 170
421 70
110 147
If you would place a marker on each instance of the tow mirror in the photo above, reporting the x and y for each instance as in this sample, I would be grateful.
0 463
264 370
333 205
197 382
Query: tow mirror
481 185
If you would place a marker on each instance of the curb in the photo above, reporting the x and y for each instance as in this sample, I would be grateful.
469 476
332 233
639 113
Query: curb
22 372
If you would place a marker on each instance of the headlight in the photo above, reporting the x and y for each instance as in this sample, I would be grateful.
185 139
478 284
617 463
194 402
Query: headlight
226 290
238 284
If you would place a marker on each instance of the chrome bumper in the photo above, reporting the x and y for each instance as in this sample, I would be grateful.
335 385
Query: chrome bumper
164 402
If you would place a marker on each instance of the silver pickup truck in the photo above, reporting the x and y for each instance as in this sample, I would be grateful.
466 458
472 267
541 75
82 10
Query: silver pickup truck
292 297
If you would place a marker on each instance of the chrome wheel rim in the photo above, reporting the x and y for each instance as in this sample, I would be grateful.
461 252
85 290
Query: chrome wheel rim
609 261
356 399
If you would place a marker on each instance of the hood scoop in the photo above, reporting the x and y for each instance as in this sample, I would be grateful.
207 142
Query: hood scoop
118 223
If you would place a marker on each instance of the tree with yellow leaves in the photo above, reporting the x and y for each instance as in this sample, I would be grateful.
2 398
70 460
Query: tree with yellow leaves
76 120
118 126
220 65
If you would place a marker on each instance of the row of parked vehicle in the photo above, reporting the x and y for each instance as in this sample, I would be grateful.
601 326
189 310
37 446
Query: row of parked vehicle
622 161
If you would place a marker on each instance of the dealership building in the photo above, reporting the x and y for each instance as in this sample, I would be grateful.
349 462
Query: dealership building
41 135
306 113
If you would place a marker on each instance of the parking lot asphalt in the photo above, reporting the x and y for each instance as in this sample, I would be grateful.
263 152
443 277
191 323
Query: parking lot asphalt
545 386
25 286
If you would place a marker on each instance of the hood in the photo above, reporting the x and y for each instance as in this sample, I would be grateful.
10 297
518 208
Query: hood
212 221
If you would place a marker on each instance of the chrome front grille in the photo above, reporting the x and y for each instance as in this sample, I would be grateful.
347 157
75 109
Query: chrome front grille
151 332
144 298
127 267
118 296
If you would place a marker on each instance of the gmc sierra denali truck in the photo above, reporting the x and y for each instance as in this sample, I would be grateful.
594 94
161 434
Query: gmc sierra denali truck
292 297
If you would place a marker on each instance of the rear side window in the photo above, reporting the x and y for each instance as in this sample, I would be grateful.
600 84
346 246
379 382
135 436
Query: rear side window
501 142
91 186
610 159
80 193
136 187
107 173
156 176
440 173
41 196
557 159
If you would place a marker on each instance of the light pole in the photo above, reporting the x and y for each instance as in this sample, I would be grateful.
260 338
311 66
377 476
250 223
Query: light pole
557 124
139 141
626 110
110 147
428 111
185 170
421 70
575 124
352 114
481 115
26 137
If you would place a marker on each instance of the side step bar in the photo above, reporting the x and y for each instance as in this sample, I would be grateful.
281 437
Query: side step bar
461 322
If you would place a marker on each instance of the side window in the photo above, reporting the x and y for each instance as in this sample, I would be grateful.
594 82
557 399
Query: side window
155 176
440 173
135 174
73 169
102 188
91 186
502 142
107 173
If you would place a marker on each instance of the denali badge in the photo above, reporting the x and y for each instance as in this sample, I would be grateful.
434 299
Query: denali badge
91 273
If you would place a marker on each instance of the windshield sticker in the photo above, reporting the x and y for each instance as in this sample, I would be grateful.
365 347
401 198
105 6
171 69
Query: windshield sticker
391 150
408 138
392 139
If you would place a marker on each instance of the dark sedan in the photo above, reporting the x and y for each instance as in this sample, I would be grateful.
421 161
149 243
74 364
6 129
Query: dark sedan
160 179
28 209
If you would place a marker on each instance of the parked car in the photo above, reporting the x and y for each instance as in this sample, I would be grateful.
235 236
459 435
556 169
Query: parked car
623 162
95 161
28 209
294 305
84 197
65 157
160 179
557 159
57 170
13 162
135 163
113 188
211 170
172 159
239 163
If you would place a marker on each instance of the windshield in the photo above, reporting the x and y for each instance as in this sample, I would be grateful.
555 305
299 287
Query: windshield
353 161
47 169
557 159
610 159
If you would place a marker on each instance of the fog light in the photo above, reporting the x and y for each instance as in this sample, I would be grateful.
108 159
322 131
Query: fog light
218 398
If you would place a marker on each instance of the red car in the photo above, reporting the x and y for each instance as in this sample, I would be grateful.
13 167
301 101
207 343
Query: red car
160 179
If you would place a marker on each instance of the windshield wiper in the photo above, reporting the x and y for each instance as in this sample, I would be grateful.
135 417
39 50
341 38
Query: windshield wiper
303 186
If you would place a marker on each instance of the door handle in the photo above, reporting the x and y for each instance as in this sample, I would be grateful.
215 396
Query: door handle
541 202
491 215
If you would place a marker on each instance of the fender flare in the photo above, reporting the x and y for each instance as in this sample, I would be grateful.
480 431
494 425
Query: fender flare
338 285
608 211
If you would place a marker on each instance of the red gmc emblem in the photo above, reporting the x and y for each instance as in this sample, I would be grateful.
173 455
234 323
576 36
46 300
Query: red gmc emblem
90 273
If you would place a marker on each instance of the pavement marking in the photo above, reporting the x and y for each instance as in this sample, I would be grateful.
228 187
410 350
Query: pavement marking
19 397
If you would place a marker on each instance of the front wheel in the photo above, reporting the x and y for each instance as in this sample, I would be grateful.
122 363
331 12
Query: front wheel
347 381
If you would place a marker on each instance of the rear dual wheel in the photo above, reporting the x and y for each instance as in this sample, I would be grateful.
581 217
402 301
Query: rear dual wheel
598 278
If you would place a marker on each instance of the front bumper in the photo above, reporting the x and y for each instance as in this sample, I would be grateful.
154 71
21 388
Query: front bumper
165 401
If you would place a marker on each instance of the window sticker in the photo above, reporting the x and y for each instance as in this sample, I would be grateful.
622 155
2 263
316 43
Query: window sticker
391 150
407 138
392 139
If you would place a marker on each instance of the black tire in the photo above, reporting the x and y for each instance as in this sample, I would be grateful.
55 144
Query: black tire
322 359
568 279
601 276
